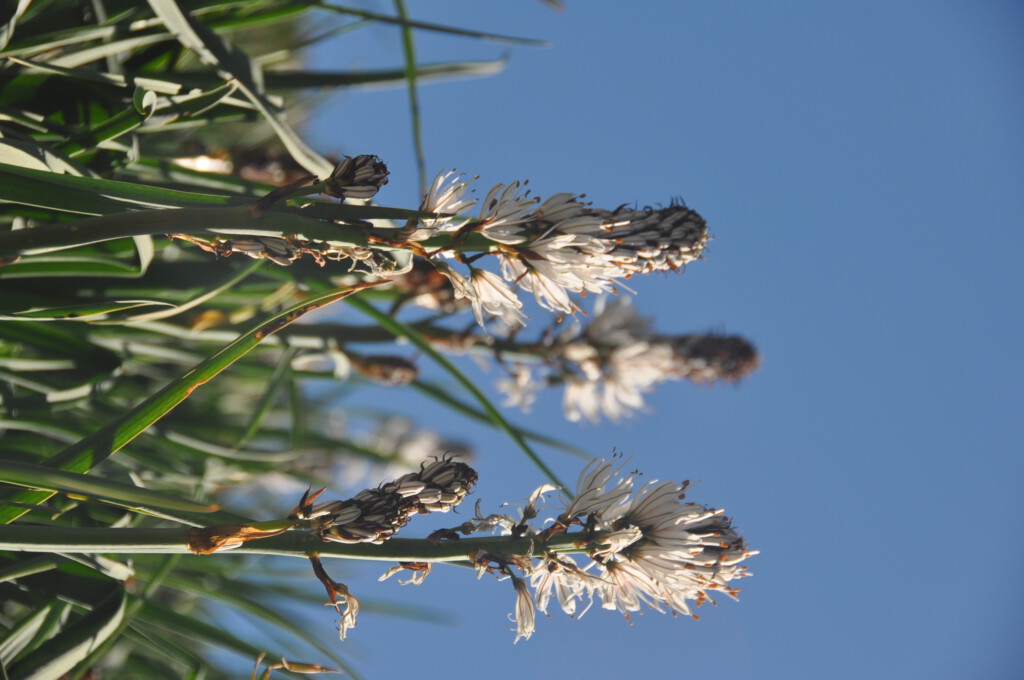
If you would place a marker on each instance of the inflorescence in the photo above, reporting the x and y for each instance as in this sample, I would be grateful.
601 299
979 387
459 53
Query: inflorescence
627 545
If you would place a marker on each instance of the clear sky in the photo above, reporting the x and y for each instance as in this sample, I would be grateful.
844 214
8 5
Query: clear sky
861 166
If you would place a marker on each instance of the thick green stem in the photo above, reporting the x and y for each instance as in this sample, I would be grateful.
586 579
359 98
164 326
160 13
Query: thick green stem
46 539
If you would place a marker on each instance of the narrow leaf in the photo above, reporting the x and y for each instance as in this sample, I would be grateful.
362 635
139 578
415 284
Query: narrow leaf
62 653
401 330
106 441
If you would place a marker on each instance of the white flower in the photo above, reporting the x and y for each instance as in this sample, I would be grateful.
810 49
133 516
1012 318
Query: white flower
446 195
685 551
561 575
559 207
595 492
526 611
653 549
520 388
503 210
487 293
351 611
549 288
492 295
615 385
584 250
615 322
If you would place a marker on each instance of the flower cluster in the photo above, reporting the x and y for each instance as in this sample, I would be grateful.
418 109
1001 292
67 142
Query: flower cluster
648 548
644 547
608 364
374 515
551 248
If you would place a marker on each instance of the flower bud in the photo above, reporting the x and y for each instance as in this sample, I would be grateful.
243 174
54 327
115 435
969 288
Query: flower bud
359 177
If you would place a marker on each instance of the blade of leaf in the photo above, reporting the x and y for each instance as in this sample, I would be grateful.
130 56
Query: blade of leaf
233 280
83 455
399 329
438 393
439 28
409 52
65 651
32 630
83 312
7 29
94 486
232 63
232 593
282 373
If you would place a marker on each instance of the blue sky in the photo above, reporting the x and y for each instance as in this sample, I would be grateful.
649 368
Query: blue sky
861 166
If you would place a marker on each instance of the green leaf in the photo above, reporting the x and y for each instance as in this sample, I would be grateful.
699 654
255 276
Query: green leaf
7 28
33 629
439 28
281 376
194 628
233 593
442 395
110 438
26 567
409 52
84 312
92 196
232 63
65 266
25 154
62 653
399 329
94 486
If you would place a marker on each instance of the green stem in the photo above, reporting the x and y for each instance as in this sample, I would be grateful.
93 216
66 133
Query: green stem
35 538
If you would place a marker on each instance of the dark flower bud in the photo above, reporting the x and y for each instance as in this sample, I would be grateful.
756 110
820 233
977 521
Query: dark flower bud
710 358
391 371
359 177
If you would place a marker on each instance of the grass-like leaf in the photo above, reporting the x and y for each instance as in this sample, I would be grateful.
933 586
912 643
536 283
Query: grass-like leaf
437 28
233 63
83 455
409 52
65 651
400 329
441 395
33 629
97 487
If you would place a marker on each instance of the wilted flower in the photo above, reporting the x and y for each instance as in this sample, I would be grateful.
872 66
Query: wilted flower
526 611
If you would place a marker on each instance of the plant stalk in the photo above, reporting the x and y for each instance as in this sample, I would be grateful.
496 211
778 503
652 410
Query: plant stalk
48 539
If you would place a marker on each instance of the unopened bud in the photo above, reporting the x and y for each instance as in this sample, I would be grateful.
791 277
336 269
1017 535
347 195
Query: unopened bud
359 177
387 370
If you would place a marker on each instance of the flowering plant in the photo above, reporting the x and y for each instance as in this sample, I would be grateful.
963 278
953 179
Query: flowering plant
172 371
